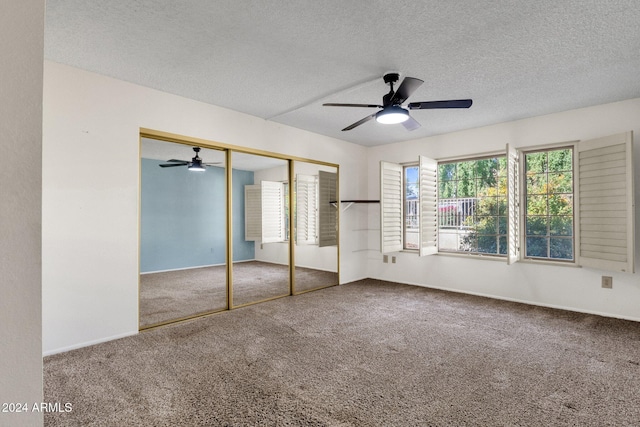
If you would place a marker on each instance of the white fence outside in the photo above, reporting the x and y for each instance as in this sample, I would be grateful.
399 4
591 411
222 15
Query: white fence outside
452 215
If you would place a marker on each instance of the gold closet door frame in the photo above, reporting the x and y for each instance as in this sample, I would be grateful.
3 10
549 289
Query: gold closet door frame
229 149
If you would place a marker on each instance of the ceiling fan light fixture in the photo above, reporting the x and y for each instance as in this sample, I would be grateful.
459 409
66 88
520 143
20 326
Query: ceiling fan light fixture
196 166
392 115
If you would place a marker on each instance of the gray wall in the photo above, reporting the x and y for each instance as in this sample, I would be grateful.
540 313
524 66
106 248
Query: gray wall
21 48
183 217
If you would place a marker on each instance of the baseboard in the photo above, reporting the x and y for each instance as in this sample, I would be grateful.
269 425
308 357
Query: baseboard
316 268
516 300
88 343
194 267
357 280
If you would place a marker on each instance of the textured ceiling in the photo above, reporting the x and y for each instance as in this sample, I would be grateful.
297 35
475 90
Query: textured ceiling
281 59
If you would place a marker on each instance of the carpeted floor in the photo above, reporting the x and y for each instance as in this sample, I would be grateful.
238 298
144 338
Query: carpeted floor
176 294
369 353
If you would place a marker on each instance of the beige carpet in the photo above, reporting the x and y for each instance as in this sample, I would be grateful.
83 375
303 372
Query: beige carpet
177 294
368 353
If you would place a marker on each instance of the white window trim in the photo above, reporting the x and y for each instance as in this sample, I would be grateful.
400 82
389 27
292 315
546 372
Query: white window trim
475 255
392 220
521 152
595 250
306 209
327 219
391 208
265 212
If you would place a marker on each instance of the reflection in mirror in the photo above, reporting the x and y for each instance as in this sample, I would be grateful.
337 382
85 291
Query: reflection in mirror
182 232
260 228
316 226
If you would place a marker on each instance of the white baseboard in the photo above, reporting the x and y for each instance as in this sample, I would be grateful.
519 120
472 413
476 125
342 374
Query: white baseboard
88 343
520 301
194 267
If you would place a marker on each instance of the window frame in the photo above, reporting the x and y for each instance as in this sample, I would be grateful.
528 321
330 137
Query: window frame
505 175
522 224
405 166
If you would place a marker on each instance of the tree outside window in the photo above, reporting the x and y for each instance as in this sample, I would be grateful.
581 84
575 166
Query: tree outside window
472 206
549 204
411 207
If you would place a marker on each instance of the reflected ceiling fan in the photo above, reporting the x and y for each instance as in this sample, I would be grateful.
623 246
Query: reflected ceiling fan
392 110
195 164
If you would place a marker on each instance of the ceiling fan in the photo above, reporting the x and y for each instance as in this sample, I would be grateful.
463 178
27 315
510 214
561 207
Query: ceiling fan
195 164
392 111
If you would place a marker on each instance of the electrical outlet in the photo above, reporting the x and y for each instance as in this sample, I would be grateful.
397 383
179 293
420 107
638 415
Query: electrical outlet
393 260
607 282
385 258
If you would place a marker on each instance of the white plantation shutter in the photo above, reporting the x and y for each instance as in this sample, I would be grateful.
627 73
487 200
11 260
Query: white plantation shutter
252 212
328 212
606 205
391 209
272 212
513 205
428 206
306 209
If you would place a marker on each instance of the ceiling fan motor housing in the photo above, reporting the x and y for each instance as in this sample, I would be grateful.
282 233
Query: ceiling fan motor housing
391 77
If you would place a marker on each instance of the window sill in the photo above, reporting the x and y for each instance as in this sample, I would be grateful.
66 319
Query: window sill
474 256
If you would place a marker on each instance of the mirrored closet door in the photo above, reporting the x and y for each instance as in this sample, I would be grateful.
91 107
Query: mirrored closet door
260 218
182 232
315 226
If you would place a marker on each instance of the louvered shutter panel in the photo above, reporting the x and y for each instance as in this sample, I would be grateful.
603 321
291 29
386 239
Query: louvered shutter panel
391 209
252 212
327 212
272 212
513 205
306 209
428 206
606 205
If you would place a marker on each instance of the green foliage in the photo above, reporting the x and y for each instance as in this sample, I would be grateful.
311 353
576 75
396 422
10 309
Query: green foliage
484 180
549 204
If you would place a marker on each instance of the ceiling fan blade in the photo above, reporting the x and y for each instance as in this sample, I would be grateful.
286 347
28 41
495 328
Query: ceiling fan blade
411 124
336 104
429 105
211 164
407 87
171 165
359 122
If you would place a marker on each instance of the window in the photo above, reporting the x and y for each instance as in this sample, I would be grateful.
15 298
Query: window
393 223
548 213
472 206
577 205
411 207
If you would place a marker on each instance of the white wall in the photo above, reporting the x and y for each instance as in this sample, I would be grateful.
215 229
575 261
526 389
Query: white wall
21 48
573 288
91 190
